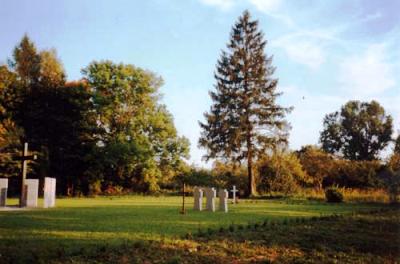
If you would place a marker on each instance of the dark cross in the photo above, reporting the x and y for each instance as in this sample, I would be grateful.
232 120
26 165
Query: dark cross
24 166
183 211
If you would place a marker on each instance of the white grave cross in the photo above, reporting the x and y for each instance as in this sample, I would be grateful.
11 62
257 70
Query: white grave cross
234 191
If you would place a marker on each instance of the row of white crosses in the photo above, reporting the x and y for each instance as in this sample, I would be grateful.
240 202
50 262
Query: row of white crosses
210 194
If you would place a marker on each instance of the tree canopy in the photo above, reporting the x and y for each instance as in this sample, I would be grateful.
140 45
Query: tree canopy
108 129
358 132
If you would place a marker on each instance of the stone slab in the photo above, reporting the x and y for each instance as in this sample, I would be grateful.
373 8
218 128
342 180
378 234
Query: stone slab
210 195
49 195
198 199
3 192
223 196
32 191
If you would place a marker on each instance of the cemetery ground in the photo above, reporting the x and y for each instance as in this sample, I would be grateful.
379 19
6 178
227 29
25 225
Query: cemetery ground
137 229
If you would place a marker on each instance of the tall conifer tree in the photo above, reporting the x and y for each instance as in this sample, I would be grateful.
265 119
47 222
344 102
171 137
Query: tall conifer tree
244 120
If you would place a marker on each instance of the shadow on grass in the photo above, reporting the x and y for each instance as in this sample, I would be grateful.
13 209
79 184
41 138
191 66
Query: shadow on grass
360 236
127 233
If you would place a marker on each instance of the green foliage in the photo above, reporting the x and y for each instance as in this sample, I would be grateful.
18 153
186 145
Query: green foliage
10 144
244 119
10 133
221 175
139 139
390 175
108 129
317 164
333 195
26 62
325 169
394 162
228 174
281 172
359 132
397 145
199 177
393 186
355 174
51 69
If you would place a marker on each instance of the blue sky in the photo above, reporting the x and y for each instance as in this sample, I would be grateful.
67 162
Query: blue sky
326 52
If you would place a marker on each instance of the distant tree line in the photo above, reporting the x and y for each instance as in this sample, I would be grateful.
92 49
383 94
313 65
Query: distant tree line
103 132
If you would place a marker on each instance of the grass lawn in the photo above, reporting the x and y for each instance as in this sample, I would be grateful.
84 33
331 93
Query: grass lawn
78 226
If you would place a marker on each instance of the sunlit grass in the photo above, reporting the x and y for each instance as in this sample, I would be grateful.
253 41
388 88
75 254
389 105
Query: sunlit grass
79 222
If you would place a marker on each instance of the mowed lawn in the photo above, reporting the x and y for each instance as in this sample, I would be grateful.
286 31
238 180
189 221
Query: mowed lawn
81 222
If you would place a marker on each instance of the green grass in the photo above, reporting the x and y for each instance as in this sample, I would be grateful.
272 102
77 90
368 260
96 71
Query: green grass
77 225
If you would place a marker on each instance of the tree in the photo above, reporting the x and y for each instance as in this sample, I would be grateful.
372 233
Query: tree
244 120
10 144
317 163
139 141
26 62
397 145
359 132
10 133
51 70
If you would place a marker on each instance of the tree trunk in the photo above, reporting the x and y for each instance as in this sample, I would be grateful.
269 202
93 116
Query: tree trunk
252 185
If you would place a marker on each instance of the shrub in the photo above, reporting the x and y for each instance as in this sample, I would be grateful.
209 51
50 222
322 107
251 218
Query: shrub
391 181
281 172
113 190
95 188
333 195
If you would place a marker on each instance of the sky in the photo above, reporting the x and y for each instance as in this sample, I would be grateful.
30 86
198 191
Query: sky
326 52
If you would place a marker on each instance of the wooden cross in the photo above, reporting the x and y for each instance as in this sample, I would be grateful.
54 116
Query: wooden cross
234 191
183 210
24 166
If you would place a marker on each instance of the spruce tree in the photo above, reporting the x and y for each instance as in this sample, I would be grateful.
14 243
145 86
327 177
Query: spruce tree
244 120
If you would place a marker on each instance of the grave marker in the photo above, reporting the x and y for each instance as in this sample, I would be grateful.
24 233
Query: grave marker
3 192
31 193
24 166
223 200
198 199
234 191
49 197
210 195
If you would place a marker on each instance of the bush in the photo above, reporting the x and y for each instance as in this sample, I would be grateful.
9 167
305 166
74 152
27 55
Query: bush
113 190
333 195
95 188
281 172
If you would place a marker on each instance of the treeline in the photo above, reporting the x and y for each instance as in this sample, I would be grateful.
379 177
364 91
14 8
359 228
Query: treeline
353 140
107 131
288 172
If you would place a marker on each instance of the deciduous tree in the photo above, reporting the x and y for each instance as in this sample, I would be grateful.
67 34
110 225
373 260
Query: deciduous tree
358 132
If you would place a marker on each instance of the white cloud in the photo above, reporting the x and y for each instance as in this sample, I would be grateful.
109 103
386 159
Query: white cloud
305 52
367 74
222 4
266 6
